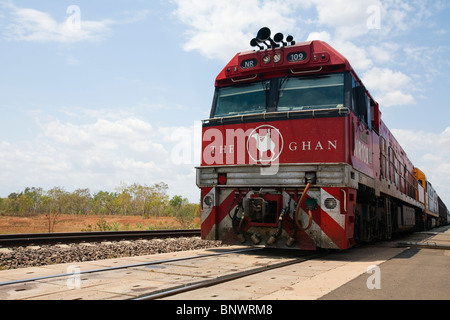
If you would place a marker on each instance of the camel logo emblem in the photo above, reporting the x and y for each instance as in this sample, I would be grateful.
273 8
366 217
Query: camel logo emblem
265 144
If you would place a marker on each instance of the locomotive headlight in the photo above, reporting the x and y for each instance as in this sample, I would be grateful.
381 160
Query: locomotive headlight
208 201
277 58
266 59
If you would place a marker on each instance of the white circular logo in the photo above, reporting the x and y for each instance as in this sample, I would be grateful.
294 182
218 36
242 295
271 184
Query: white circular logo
265 144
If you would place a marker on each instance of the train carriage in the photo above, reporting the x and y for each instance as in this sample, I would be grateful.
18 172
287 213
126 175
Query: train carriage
444 215
295 153
428 196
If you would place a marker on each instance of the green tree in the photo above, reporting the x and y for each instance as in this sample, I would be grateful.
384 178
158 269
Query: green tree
176 202
124 201
12 203
79 202
58 202
159 198
136 199
25 204
35 195
105 203
148 201
186 214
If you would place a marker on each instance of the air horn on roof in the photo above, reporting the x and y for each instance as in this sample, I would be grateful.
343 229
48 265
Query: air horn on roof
264 35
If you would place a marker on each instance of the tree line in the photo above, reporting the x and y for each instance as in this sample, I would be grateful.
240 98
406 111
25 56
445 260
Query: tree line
135 199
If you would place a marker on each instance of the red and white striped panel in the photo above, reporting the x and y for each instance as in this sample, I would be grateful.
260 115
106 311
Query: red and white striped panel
214 211
328 228
332 219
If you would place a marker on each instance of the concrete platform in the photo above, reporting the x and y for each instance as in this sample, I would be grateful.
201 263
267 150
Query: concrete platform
415 274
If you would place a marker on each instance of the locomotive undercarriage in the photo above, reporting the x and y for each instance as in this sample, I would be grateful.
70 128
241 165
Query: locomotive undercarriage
379 217
258 217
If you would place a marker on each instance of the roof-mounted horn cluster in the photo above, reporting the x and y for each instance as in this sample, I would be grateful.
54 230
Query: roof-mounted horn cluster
263 38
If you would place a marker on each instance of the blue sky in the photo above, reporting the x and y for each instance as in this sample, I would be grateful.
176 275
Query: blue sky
94 94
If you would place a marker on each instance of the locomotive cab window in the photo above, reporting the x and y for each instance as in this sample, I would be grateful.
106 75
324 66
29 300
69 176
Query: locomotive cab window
361 103
306 93
242 99
280 95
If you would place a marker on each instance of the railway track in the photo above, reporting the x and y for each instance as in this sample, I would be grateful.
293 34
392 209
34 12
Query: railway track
226 278
235 264
128 266
8 240
225 272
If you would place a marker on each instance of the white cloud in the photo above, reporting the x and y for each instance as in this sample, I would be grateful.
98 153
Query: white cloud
396 98
349 19
100 154
220 29
354 18
383 52
384 79
32 25
357 55
322 36
390 86
37 26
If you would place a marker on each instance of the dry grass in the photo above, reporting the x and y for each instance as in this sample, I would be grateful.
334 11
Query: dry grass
69 223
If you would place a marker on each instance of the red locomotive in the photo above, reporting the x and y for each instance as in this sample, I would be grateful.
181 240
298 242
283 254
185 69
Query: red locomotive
295 154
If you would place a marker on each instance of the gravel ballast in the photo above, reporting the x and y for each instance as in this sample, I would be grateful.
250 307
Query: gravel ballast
23 257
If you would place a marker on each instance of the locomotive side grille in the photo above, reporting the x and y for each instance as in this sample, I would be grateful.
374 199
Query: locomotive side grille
330 203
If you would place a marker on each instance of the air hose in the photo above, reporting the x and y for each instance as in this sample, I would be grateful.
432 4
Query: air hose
297 212
235 218
238 230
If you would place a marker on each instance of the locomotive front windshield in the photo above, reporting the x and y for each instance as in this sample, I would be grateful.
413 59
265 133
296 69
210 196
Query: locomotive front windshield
284 94
243 99
312 93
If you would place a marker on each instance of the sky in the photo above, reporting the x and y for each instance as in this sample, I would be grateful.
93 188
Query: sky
98 94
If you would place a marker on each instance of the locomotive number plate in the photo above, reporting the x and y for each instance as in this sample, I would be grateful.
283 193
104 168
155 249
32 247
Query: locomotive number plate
247 64
296 56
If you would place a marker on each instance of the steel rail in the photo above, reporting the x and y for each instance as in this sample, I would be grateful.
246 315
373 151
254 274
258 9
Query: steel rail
424 245
75 237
